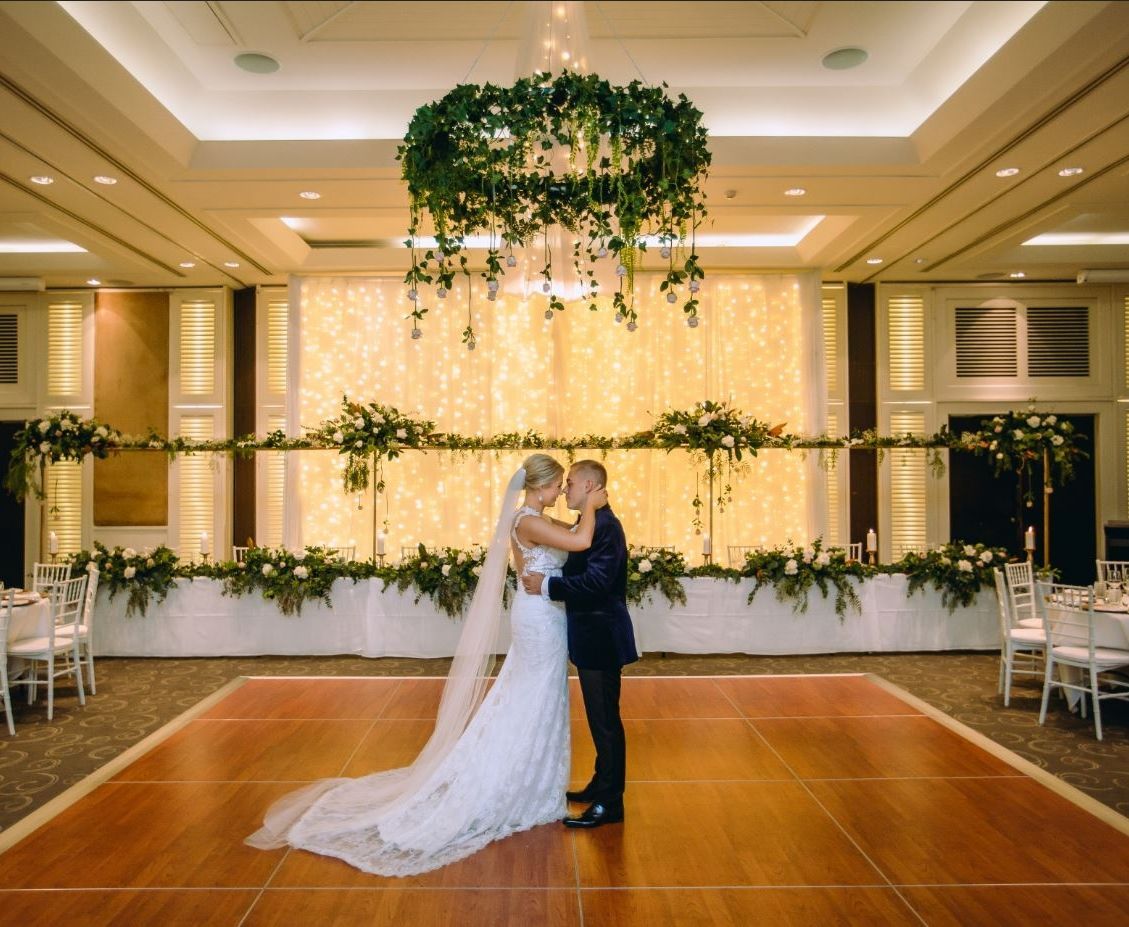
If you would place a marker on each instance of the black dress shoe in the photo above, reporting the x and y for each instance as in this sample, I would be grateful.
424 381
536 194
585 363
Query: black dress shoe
585 795
595 815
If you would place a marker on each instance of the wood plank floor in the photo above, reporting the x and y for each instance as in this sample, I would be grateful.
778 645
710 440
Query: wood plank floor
808 800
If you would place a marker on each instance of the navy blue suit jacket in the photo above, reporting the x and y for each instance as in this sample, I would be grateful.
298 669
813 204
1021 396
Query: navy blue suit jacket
593 588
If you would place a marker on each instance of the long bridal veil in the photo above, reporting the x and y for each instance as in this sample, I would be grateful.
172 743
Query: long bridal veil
358 803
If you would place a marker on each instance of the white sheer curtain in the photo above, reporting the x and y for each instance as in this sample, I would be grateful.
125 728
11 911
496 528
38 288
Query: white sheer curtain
759 345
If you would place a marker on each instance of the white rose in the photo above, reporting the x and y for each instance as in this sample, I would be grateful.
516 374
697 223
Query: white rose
461 558
791 568
728 441
679 429
150 563
1050 419
477 571
129 552
66 424
94 439
242 564
102 431
705 420
986 557
998 429
1034 421
1018 434
1000 456
645 566
969 550
44 427
945 561
993 445
45 447
301 572
267 569
808 555
401 433
129 572
338 437
377 418
358 444
423 564
446 571
1057 440
823 559
358 422
964 566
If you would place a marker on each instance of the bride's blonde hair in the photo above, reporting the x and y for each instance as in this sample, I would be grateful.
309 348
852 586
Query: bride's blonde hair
541 470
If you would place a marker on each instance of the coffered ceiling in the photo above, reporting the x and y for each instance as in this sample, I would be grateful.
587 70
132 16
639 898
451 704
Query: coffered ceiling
898 157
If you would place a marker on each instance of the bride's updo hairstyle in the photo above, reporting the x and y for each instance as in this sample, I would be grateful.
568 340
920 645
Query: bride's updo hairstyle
541 470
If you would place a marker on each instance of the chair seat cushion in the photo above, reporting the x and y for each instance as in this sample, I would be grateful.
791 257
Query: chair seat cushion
73 630
1030 623
1103 656
28 647
1027 636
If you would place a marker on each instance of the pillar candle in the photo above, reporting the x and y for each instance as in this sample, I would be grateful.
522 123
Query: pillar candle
52 543
380 544
707 545
205 547
1029 539
871 542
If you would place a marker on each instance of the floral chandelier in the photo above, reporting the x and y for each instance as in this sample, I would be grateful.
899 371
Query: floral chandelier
613 168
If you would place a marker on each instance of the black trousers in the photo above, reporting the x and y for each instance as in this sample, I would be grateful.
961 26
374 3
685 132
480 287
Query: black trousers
600 689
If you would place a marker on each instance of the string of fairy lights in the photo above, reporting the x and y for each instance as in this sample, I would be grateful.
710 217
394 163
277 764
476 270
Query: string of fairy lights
578 373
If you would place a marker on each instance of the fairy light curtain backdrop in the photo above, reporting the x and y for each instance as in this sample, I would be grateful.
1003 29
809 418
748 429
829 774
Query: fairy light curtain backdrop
758 346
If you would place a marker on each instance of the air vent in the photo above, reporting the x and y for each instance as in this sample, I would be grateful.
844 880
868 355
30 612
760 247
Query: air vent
9 349
986 342
1058 341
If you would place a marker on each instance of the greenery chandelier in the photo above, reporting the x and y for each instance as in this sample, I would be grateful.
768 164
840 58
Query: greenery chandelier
607 165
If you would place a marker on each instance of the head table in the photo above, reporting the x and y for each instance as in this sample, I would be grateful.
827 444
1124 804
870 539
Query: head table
365 619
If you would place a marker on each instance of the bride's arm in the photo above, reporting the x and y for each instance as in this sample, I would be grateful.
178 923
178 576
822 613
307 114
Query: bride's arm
552 534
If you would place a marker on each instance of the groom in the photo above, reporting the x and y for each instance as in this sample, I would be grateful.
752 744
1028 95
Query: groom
600 641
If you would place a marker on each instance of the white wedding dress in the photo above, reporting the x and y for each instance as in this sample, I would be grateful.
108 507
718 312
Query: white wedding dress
506 773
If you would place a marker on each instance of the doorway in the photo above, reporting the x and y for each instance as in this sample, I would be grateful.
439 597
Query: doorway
12 567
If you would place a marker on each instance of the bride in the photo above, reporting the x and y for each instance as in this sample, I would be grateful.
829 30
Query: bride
494 765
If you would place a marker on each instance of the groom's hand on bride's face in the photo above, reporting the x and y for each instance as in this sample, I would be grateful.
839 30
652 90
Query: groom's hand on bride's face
532 582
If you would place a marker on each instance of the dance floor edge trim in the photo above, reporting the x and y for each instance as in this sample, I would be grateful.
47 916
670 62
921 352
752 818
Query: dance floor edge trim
80 790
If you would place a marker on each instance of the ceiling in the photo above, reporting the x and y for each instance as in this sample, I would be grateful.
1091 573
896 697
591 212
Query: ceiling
898 156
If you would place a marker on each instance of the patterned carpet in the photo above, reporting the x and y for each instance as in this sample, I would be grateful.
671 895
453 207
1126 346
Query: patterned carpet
137 696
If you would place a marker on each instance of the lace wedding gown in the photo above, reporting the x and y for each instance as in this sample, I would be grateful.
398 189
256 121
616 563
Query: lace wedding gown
506 773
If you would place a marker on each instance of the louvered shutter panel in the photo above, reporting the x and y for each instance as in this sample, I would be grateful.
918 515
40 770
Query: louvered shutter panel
987 343
9 348
1058 341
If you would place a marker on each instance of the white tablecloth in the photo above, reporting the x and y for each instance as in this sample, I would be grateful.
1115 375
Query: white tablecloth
198 620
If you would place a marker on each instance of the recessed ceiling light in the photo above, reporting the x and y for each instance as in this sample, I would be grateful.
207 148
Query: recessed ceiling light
256 63
1070 171
310 195
230 263
795 191
1007 172
843 59
921 260
42 179
1015 275
730 194
105 180
875 260
187 265
94 281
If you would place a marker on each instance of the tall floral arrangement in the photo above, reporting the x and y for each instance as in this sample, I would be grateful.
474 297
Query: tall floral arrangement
61 435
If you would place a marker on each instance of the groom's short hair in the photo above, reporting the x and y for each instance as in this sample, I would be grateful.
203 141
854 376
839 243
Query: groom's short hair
594 470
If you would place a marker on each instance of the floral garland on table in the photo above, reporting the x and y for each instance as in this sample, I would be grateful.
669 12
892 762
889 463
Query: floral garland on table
957 570
446 575
793 571
58 436
655 569
141 575
478 161
1017 440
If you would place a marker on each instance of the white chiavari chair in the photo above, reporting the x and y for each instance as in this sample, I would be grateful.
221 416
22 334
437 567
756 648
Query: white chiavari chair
1113 571
83 630
346 552
47 574
1021 594
58 654
1068 619
737 554
1022 649
854 551
7 599
239 554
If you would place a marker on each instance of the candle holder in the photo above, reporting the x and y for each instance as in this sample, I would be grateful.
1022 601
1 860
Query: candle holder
204 557
871 558
381 557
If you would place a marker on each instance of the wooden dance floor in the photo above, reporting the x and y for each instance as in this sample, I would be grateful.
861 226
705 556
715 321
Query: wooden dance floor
808 800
